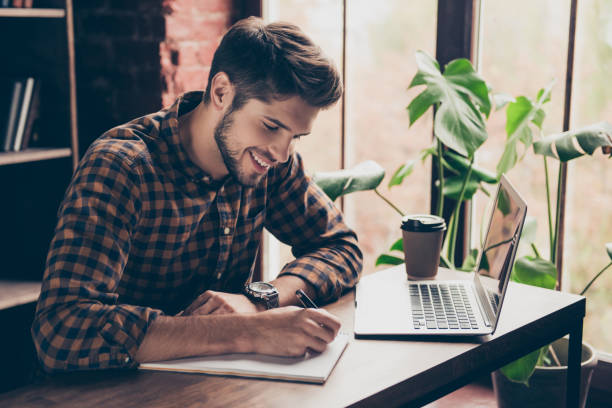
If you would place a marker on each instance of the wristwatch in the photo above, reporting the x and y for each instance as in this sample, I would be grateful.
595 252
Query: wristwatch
262 292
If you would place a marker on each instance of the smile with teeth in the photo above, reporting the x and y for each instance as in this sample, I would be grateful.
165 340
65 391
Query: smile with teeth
259 160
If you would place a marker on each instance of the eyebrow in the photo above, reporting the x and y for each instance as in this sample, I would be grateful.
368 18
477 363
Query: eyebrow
282 125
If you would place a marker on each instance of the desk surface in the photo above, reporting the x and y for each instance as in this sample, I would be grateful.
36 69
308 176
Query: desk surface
371 372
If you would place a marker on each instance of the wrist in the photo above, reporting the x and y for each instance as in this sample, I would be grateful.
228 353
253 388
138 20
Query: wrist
244 340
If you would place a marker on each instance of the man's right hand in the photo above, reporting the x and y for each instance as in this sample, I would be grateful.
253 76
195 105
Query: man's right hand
285 331
290 331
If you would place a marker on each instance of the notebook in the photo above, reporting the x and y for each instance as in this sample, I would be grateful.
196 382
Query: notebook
388 304
312 368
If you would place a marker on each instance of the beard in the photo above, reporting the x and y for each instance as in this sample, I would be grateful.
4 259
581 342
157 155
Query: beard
231 157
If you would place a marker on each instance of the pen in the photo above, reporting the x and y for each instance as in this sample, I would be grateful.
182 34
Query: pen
306 301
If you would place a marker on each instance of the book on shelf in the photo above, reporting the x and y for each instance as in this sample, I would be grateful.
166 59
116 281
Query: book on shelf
17 3
19 112
11 115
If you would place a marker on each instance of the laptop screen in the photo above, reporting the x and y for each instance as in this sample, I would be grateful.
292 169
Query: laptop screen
499 248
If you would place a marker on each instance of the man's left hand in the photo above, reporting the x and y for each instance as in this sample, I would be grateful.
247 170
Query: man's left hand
211 302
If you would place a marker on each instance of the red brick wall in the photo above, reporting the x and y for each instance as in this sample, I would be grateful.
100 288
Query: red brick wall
133 57
193 31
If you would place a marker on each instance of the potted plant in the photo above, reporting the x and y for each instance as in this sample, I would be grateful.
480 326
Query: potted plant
462 101
539 378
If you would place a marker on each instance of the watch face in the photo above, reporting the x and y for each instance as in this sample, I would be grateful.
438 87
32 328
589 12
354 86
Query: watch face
262 287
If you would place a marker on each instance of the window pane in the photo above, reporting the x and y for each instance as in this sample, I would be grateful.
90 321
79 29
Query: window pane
321 20
524 46
589 224
381 44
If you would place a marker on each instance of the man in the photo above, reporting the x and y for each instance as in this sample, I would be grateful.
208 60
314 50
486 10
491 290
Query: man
159 230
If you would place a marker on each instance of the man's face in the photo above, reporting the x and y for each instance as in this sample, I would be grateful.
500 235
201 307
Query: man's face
260 136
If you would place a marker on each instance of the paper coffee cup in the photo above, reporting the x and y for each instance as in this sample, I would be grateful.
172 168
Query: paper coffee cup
422 239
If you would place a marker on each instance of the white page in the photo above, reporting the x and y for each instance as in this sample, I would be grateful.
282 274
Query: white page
310 368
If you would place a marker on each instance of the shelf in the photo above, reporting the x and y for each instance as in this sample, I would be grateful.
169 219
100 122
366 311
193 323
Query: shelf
33 154
32 12
16 293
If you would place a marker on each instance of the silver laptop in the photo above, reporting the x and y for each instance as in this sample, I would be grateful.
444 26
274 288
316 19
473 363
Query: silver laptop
387 304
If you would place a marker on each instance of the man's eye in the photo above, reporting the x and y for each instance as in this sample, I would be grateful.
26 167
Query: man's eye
272 128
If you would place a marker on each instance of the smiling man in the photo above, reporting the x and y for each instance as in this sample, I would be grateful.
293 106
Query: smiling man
157 237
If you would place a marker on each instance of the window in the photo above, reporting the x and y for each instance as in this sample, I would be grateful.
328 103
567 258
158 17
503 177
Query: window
523 46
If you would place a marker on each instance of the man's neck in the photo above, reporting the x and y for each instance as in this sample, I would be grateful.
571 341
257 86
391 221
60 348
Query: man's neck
197 136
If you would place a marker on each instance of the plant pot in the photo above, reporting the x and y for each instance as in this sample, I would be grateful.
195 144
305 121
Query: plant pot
547 385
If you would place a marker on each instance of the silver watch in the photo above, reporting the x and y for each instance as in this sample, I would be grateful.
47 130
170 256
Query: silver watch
262 292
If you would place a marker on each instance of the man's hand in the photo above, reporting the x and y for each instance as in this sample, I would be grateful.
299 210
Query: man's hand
211 302
290 331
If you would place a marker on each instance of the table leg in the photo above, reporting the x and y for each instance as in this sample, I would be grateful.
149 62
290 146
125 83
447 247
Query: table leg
573 365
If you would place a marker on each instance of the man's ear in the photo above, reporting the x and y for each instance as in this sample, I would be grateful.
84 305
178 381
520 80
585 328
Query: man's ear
221 91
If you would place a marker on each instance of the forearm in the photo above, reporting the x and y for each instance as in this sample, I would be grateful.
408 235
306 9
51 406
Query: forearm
287 285
171 337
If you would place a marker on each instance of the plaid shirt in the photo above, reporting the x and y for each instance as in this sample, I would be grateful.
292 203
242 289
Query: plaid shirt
143 231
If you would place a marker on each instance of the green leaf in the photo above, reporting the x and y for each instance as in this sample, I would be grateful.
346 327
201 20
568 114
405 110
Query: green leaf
459 126
425 153
403 171
364 176
419 105
588 139
508 159
519 115
609 249
460 92
453 184
520 370
462 164
470 261
538 118
385 259
535 272
398 245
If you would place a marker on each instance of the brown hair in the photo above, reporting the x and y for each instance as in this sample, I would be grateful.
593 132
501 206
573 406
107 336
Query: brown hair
274 61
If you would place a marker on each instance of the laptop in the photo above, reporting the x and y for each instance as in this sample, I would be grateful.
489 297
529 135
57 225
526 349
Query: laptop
388 304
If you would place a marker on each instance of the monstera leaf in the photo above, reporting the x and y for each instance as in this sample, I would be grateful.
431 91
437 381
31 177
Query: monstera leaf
460 95
575 143
519 115
364 176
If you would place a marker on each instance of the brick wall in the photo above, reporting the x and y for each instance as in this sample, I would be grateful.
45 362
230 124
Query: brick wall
133 57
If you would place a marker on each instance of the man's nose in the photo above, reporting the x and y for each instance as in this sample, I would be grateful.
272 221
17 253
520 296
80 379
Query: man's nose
282 149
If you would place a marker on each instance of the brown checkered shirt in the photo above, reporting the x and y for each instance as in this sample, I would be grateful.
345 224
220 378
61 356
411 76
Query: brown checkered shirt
143 231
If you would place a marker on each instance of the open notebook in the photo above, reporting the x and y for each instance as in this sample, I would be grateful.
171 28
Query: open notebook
313 368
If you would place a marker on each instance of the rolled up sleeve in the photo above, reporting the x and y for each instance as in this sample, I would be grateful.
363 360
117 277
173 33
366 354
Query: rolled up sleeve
301 215
79 323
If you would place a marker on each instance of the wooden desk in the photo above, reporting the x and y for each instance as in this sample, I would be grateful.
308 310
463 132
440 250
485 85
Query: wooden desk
370 373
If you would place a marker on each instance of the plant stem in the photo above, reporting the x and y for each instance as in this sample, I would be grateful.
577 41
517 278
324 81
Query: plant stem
535 250
389 202
552 352
453 238
593 280
557 213
550 225
440 179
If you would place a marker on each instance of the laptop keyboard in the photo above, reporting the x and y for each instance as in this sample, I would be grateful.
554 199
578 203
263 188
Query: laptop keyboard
441 306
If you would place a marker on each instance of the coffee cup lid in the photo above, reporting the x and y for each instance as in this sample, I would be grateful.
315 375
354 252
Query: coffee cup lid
423 223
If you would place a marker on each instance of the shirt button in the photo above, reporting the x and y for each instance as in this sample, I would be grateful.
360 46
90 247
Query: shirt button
126 360
226 230
219 276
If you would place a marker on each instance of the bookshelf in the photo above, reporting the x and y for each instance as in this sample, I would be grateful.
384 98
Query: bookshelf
36 42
